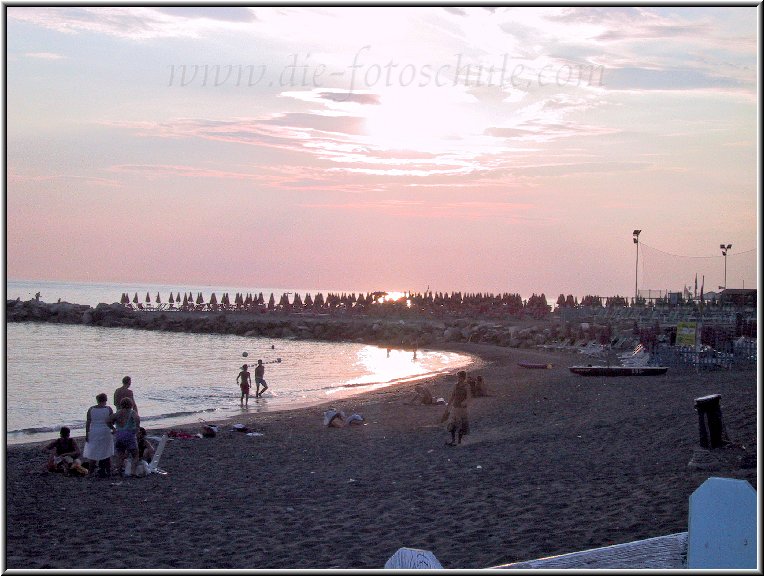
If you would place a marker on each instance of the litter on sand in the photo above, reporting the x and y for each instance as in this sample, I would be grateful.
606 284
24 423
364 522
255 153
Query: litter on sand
255 434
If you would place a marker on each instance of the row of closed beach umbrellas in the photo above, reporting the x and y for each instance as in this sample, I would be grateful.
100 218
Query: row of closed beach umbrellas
239 299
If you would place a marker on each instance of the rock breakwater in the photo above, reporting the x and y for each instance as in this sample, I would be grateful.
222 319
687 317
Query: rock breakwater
393 332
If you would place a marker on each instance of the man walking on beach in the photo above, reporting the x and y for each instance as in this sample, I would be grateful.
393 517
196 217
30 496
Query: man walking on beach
259 373
124 392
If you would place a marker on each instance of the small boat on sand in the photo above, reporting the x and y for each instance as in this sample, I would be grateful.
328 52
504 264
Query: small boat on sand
618 370
534 365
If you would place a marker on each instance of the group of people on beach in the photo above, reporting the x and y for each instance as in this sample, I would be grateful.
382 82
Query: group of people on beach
107 432
244 380
456 415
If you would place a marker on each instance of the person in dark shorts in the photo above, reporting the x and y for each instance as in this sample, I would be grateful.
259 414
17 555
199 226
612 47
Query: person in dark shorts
259 372
126 422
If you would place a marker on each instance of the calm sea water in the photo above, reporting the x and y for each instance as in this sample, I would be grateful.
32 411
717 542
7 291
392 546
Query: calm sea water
54 371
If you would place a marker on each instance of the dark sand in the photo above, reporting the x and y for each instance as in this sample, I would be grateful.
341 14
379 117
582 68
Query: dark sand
555 463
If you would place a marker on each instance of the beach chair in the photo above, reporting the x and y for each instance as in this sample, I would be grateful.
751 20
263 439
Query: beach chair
154 464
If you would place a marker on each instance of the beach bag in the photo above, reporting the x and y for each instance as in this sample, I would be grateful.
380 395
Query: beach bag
142 469
208 432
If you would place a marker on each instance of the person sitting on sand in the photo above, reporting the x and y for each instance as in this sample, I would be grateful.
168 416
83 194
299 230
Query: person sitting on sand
456 413
422 395
124 392
244 380
64 452
145 448
127 422
472 382
479 389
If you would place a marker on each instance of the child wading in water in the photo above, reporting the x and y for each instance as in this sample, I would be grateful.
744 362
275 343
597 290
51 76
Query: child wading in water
245 384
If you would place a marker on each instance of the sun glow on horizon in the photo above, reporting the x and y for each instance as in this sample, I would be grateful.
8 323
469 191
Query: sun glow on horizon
393 297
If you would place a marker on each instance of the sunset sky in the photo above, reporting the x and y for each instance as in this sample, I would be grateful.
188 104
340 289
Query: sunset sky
385 148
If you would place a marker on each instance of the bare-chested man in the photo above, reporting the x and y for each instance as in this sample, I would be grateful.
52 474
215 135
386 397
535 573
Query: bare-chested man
124 392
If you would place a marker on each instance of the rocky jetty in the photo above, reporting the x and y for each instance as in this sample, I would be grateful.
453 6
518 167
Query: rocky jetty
383 331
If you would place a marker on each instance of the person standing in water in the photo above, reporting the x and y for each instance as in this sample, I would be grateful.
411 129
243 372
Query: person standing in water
259 373
124 392
244 380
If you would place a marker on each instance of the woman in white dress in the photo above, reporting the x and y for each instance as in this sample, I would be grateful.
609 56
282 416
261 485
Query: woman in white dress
99 443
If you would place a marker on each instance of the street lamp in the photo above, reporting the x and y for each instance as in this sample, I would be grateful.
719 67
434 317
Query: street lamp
636 271
724 253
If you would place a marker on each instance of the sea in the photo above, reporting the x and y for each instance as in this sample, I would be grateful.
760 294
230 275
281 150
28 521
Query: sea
54 371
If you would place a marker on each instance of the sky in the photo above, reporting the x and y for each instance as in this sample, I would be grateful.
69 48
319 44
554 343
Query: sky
384 148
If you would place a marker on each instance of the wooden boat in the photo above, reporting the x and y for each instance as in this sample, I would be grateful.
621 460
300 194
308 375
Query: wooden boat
618 370
534 365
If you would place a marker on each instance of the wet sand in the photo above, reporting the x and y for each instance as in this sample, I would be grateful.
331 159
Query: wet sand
554 463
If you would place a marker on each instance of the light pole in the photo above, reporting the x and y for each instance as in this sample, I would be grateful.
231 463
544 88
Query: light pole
636 271
724 253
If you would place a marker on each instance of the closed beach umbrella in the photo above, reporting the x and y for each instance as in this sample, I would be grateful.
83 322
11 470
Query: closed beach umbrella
148 298
199 299
213 298
135 298
185 300
159 301
171 300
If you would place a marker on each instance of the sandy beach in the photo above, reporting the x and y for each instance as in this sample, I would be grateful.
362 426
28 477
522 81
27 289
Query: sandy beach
554 463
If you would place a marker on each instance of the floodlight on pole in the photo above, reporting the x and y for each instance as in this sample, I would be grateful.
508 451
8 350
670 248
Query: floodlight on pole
636 272
724 253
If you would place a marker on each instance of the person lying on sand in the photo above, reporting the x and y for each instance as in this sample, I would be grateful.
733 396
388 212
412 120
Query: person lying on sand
337 419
